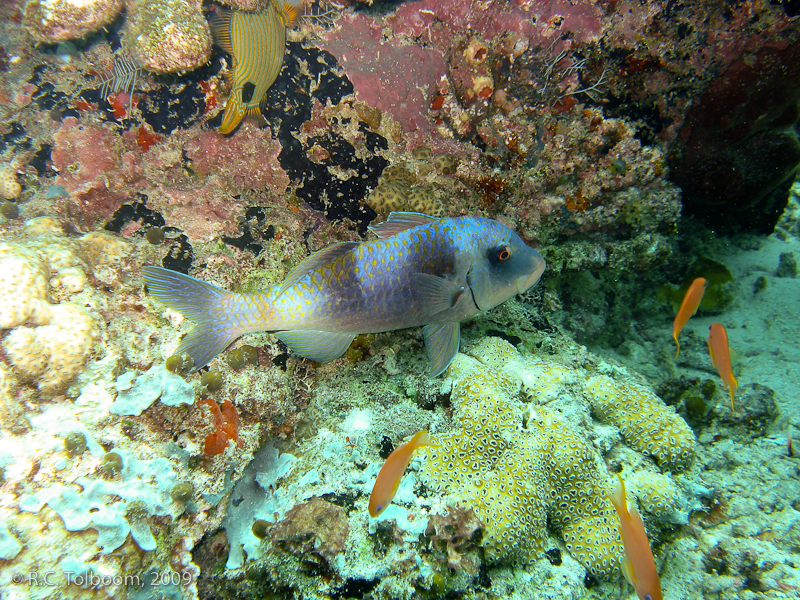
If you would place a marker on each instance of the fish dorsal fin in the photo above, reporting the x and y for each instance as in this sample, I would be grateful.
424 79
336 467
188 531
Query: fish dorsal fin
315 261
441 342
436 293
400 221
319 346
220 23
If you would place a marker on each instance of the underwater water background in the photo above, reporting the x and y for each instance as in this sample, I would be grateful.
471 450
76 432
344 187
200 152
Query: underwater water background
637 146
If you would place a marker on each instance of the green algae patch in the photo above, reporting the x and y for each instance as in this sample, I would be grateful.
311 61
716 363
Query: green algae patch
719 294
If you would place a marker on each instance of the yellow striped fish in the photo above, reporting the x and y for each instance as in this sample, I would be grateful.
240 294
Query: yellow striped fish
256 41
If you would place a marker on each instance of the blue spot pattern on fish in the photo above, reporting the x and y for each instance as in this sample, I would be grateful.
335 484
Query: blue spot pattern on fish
421 271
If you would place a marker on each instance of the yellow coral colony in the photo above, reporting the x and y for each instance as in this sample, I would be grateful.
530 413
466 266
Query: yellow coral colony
516 475
9 187
644 421
397 191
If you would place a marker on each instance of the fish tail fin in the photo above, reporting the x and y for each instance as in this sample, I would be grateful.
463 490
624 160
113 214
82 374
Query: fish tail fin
734 385
219 316
618 497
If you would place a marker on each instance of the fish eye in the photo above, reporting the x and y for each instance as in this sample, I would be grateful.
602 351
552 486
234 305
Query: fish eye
503 253
648 597
248 89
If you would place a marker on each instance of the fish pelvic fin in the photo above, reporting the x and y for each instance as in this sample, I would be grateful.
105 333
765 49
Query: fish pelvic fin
441 342
255 112
319 346
219 316
627 569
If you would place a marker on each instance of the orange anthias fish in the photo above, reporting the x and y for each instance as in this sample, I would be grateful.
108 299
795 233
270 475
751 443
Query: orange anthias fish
256 42
688 307
638 565
391 472
720 353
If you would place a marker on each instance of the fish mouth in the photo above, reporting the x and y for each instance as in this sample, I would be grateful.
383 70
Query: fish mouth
530 279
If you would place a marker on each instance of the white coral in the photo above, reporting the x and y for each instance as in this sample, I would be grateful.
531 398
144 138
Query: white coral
51 343
23 287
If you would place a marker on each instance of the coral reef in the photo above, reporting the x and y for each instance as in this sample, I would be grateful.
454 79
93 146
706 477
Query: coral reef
397 190
168 37
95 169
739 151
572 122
225 427
313 532
165 36
67 20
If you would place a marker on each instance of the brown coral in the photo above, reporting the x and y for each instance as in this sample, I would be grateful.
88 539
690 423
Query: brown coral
315 532
452 537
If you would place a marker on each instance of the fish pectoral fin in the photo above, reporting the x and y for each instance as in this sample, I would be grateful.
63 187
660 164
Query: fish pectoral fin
627 569
436 293
319 346
399 222
314 262
441 342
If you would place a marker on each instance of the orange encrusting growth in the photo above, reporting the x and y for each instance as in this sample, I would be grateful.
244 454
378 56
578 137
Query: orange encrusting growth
688 307
720 353
638 565
226 427
391 472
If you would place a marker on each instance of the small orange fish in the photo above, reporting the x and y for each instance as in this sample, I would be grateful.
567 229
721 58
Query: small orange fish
638 565
688 307
391 472
720 353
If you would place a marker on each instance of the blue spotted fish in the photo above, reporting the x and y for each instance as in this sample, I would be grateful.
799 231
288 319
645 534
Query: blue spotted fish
256 42
421 271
